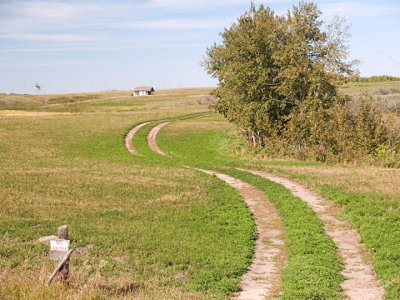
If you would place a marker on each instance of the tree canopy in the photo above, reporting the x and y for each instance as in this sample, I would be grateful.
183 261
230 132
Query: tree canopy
270 65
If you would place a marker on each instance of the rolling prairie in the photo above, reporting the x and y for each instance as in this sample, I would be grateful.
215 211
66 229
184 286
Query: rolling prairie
158 228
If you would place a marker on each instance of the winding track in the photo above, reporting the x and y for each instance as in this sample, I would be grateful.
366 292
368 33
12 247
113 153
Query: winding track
263 275
360 279
129 136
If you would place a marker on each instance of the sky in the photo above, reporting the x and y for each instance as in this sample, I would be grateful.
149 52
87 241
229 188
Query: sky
83 46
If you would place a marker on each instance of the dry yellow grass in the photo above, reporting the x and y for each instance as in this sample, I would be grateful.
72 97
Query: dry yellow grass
351 179
86 285
108 101
23 113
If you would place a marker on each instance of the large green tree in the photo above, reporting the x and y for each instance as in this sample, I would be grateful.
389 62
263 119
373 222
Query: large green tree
267 65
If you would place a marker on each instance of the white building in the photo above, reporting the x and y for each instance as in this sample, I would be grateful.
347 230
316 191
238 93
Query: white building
142 91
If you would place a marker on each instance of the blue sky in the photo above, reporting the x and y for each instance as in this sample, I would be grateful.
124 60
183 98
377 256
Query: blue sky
76 46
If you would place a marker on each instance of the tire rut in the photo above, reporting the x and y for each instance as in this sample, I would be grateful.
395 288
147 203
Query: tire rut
360 279
263 276
129 136
151 139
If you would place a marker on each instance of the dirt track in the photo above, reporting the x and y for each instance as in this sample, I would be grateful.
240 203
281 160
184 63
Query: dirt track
151 138
360 279
129 136
263 275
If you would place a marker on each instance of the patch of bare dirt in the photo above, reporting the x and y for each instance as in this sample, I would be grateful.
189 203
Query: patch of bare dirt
263 276
181 276
151 138
122 258
129 136
360 279
83 251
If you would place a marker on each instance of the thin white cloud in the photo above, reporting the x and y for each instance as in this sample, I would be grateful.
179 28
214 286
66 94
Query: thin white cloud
55 20
181 24
353 9
22 16
41 16
59 10
53 10
97 48
44 64
50 37
196 4
179 4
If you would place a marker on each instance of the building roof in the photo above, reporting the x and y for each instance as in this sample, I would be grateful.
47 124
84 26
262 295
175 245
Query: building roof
143 89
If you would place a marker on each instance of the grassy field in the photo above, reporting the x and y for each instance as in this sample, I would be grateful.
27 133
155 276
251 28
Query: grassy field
161 230
368 197
387 93
156 231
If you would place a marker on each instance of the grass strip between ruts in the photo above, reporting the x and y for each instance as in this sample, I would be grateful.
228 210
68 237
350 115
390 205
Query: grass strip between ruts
313 270
139 141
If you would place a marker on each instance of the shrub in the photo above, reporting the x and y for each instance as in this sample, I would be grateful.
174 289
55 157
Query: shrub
343 132
278 82
207 100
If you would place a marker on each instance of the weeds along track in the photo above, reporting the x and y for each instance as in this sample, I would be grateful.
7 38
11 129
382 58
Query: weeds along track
263 276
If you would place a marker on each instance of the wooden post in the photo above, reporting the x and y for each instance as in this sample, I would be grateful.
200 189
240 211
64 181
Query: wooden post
64 271
60 265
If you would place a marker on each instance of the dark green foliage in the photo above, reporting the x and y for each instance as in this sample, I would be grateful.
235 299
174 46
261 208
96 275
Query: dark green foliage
278 82
340 133
267 65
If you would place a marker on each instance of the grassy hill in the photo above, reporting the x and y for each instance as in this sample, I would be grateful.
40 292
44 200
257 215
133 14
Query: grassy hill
160 230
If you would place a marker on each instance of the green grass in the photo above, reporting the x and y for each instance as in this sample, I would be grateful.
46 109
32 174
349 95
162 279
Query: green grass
66 99
382 78
377 218
184 234
385 93
369 198
374 210
313 268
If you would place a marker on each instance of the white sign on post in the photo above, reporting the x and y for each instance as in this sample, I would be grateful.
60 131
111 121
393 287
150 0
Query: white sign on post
58 249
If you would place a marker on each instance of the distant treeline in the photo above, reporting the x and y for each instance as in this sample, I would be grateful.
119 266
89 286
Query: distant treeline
380 78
